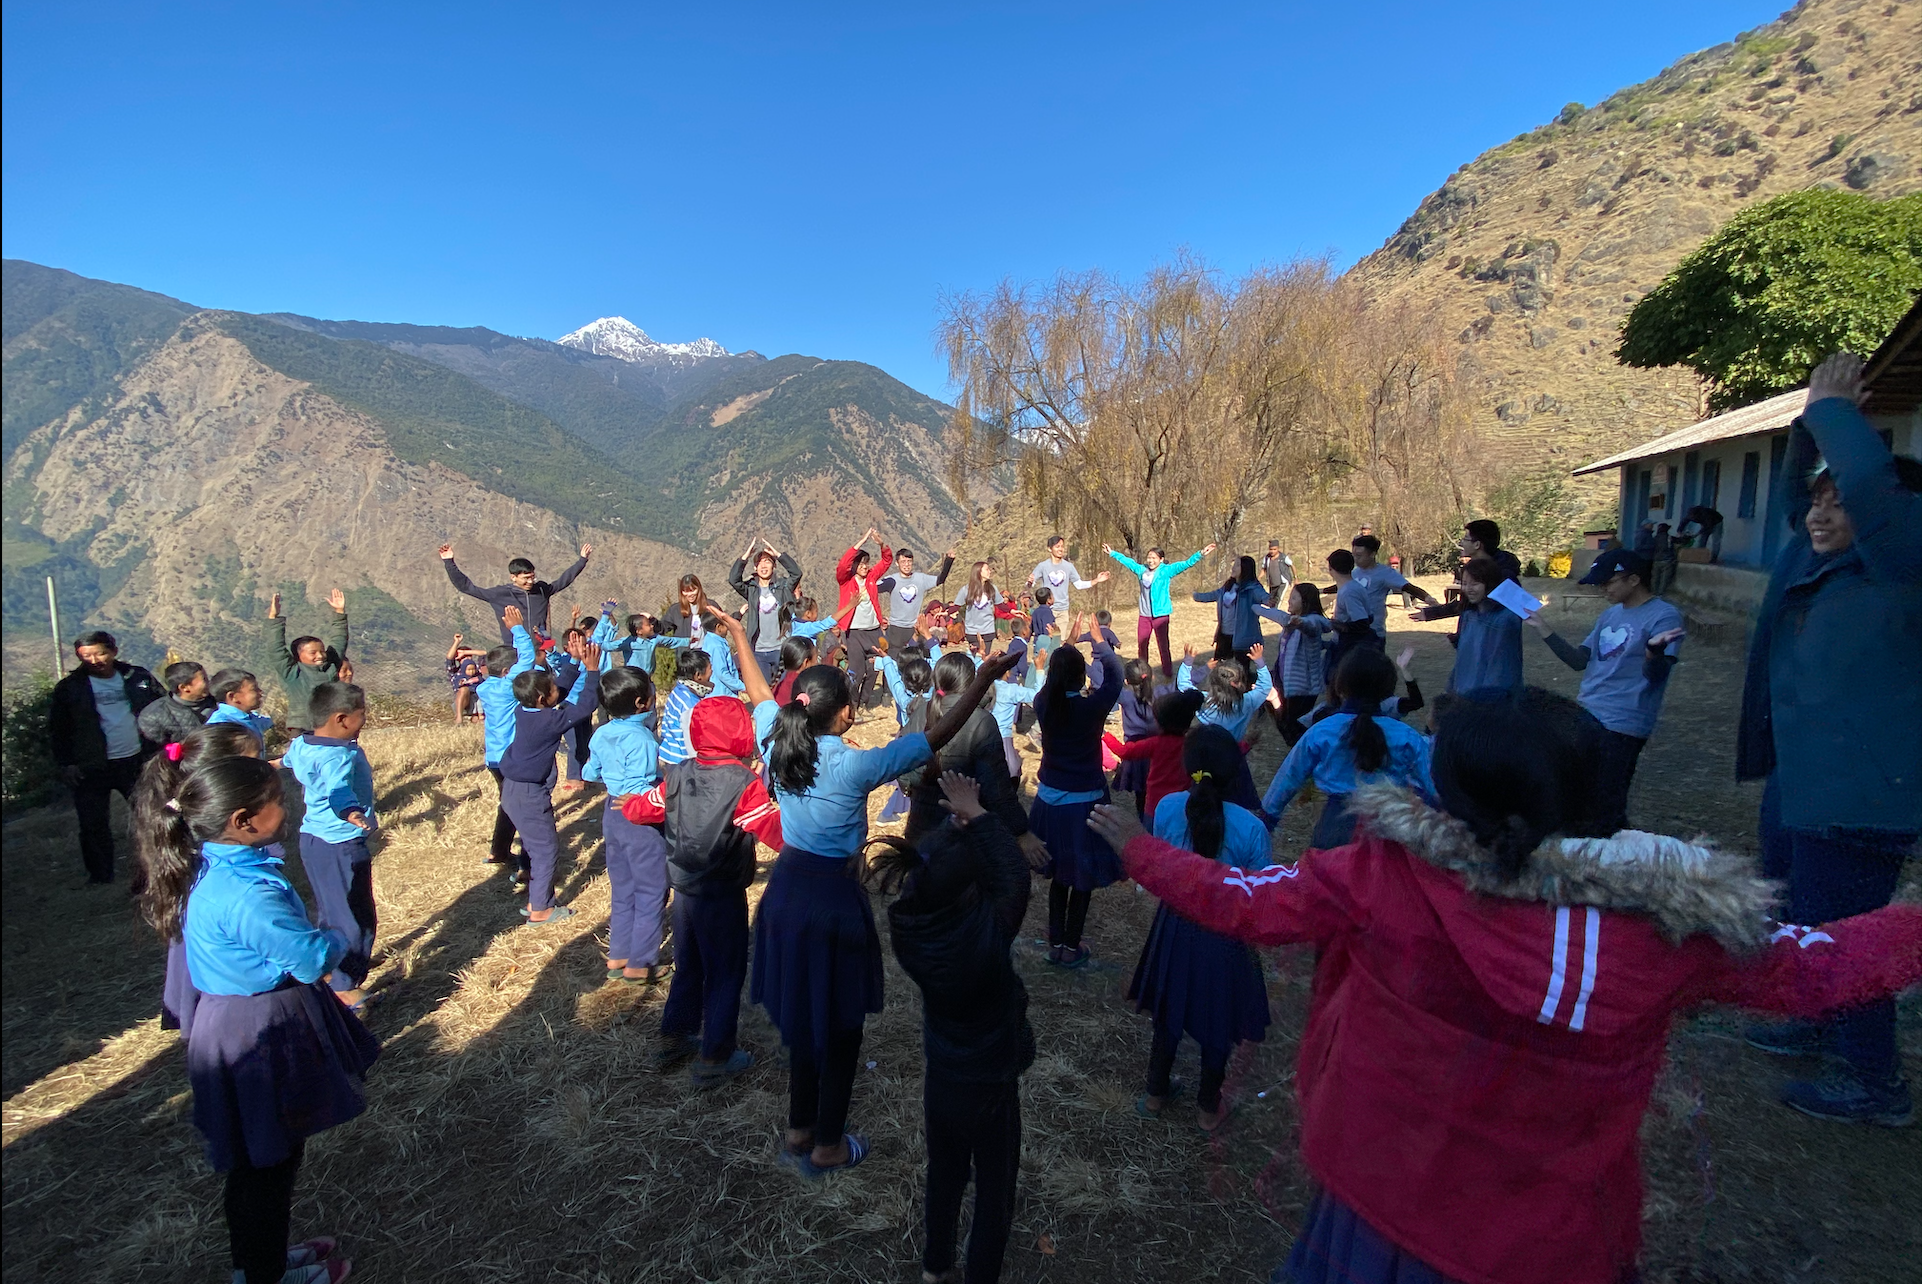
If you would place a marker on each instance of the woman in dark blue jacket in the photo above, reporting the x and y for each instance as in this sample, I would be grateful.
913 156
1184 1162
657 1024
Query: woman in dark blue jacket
1237 627
1831 712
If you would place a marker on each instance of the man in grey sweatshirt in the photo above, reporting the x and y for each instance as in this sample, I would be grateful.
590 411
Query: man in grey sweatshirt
906 593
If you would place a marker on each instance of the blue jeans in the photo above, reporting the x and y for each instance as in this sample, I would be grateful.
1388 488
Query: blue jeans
1833 873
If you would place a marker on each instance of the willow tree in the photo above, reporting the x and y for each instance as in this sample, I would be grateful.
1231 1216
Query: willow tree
1157 412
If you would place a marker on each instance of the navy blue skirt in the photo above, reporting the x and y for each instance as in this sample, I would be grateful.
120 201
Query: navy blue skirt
1131 777
1077 855
1196 982
817 957
178 997
1337 1246
270 1069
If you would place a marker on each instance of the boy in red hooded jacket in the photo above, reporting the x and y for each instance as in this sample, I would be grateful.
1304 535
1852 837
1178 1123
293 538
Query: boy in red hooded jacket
1491 1008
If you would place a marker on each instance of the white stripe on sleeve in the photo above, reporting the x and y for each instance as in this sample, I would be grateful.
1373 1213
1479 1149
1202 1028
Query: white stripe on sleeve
1591 944
1558 974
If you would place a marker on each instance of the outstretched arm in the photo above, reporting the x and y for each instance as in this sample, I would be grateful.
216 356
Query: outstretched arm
571 574
456 577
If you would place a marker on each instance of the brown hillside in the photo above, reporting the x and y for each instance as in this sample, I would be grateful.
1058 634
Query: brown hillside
1536 250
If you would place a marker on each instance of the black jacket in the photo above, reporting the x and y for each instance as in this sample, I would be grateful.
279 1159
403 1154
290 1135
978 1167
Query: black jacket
787 573
952 926
169 720
533 602
975 751
74 736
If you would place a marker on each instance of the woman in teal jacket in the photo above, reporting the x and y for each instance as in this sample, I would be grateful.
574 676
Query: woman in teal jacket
1156 605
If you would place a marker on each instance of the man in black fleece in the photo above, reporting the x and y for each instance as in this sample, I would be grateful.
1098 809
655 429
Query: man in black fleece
963 898
530 593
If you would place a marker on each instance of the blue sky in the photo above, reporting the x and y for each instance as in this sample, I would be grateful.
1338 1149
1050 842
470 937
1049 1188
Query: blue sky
790 177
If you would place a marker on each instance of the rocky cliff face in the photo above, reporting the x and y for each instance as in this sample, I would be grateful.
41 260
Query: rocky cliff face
1534 252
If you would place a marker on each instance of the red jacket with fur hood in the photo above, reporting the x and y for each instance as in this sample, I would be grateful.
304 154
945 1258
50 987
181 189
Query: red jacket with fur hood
1478 1055
852 587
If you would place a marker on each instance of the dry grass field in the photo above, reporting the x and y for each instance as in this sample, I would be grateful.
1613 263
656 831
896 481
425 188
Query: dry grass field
514 1132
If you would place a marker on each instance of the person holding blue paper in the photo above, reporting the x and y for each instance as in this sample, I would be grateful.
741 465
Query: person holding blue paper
1488 630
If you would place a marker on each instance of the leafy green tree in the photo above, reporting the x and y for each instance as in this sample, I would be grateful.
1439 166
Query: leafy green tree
1781 286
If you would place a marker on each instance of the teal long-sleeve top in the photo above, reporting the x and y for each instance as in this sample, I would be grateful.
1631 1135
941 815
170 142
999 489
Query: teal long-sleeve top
1155 598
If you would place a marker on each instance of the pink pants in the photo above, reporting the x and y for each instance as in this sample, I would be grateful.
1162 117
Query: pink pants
1158 626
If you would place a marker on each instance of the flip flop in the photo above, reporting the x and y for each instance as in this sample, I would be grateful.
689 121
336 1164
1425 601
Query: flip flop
1221 1121
307 1252
561 913
1146 1111
707 1076
654 974
858 1149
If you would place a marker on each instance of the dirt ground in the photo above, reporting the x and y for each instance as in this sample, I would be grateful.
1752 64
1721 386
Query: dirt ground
513 1131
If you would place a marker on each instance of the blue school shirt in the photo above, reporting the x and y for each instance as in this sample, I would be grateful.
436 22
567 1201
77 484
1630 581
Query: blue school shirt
497 702
1234 721
1245 842
624 756
1488 650
1008 699
338 780
1323 755
809 628
258 723
1614 688
831 819
245 927
608 641
890 671
724 673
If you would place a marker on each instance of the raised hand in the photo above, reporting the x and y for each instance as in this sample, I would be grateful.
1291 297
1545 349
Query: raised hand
949 555
574 615
1187 652
1839 376
337 600
1107 548
447 552
1117 825
1254 653
459 638
961 796
1209 549
273 607
1663 639
512 617
1404 658
590 655
1101 578
996 665
587 551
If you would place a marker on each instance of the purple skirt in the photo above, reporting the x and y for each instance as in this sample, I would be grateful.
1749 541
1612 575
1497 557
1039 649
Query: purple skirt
1196 982
269 1069
1131 777
1337 1246
1077 855
817 957
178 997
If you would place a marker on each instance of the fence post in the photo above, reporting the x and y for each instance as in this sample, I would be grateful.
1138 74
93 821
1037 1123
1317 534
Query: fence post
53 615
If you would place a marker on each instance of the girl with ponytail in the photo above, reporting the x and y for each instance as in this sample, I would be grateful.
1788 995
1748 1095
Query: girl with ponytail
1070 716
1351 748
1137 723
165 879
273 1057
1192 981
817 959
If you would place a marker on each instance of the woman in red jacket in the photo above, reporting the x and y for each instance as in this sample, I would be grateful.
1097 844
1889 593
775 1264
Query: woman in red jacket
860 614
1491 1008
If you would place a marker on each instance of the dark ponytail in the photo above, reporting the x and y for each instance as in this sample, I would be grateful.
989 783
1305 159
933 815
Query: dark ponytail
175 811
1139 676
1366 678
1067 674
1514 770
890 862
1212 760
819 695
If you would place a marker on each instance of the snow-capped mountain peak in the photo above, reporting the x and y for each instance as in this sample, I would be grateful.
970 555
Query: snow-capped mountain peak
619 337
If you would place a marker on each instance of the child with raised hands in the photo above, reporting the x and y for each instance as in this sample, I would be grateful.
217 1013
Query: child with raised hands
1070 715
1192 981
1494 992
963 892
271 1056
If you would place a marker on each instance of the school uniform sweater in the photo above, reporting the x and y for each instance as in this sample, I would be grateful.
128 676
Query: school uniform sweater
1235 720
246 928
538 732
338 781
1071 725
1163 756
1473 1045
258 723
497 702
1300 655
624 756
170 720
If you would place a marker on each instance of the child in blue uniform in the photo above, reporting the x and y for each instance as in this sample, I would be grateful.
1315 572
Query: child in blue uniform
626 759
528 774
272 1057
1190 980
1354 747
338 782
1068 785
497 703
236 694
817 959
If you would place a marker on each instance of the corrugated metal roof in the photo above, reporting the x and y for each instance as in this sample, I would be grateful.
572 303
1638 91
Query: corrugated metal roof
1772 415
1893 375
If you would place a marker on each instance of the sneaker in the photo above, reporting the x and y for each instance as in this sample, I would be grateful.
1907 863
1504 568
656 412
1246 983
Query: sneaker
1787 1039
1846 1097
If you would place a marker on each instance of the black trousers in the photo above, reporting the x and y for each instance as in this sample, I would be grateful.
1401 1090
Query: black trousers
502 847
1288 717
818 1092
1161 1060
1067 914
971 1126
260 1203
1614 772
860 644
900 638
710 966
93 811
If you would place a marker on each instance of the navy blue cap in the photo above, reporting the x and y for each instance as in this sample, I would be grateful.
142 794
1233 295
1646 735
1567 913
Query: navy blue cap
1616 561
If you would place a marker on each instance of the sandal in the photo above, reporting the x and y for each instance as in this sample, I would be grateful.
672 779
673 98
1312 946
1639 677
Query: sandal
858 1149
307 1252
1073 958
652 974
560 913
1147 1111
617 971
708 1074
792 1156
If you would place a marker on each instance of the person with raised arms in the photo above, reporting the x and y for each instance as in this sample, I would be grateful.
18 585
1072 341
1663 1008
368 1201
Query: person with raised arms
1156 604
524 589
1060 576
